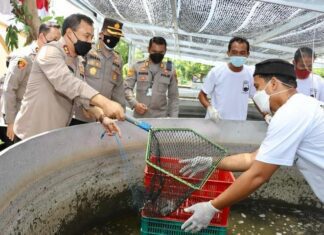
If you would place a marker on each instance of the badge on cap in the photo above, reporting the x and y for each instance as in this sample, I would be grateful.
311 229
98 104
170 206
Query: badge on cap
22 63
117 26
93 71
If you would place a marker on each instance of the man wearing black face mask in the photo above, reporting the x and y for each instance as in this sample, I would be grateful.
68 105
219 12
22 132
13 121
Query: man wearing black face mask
54 85
19 66
157 92
103 68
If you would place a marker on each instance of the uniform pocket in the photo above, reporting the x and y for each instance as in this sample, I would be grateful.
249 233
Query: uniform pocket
142 86
163 85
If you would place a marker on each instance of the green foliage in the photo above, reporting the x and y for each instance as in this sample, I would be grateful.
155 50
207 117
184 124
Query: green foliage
185 70
57 19
122 49
319 71
12 37
21 13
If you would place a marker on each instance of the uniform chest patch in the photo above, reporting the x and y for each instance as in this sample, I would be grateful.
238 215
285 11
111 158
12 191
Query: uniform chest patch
246 86
93 71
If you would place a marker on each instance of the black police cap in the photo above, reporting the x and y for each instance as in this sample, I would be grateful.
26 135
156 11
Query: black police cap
275 67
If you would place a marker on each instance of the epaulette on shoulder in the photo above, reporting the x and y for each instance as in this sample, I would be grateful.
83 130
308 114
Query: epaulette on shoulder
93 54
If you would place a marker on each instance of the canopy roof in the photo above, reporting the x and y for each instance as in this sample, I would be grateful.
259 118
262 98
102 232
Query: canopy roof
201 29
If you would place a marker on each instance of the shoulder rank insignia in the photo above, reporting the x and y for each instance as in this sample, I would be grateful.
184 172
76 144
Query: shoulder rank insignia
93 71
130 72
116 62
66 49
22 63
114 76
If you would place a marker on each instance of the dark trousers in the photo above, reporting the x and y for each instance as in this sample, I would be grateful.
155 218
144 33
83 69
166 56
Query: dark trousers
75 122
3 136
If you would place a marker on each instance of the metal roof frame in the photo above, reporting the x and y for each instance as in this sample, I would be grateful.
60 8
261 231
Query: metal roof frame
184 42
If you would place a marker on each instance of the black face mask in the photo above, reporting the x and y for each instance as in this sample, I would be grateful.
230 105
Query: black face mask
156 57
82 47
110 41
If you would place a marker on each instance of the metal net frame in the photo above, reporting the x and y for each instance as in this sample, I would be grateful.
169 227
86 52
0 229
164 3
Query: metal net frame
166 187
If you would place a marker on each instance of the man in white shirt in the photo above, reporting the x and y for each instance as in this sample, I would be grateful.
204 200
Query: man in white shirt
230 85
295 136
308 83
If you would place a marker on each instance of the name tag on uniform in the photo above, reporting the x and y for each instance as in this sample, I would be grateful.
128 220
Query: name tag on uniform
149 92
165 75
142 73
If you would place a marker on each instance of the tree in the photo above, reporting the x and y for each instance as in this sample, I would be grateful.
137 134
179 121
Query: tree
25 12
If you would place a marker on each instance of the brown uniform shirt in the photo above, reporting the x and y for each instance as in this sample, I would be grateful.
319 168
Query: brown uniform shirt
51 91
15 81
156 87
103 72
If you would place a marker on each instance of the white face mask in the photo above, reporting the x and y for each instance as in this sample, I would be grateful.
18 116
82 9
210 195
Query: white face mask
262 99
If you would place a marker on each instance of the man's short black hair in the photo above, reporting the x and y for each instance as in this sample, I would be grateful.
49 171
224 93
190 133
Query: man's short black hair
46 27
239 40
286 80
305 52
73 21
157 40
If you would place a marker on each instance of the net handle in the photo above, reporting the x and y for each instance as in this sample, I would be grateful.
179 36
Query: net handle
141 124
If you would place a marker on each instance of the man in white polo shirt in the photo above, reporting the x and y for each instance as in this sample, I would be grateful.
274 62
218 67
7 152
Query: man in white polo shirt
308 83
295 136
230 85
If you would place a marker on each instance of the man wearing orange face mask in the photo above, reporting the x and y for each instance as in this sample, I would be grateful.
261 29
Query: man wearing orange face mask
307 83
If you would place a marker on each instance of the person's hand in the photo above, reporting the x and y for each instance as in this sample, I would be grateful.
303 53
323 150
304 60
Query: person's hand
10 132
110 126
192 166
140 108
113 109
203 213
268 118
213 113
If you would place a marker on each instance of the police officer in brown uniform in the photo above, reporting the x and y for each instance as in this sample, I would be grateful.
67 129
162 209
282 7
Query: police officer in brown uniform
157 92
19 67
103 68
53 86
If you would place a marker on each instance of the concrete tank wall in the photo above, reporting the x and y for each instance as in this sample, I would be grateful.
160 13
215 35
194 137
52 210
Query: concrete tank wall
50 180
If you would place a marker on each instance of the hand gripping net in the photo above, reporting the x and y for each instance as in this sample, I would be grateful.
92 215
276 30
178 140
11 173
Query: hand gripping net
165 187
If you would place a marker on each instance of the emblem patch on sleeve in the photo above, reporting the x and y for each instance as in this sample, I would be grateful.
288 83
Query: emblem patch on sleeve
22 63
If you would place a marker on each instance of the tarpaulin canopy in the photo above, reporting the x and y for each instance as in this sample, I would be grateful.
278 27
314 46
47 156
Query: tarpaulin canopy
201 29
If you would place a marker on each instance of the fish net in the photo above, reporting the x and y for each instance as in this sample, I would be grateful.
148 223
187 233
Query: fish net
165 187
